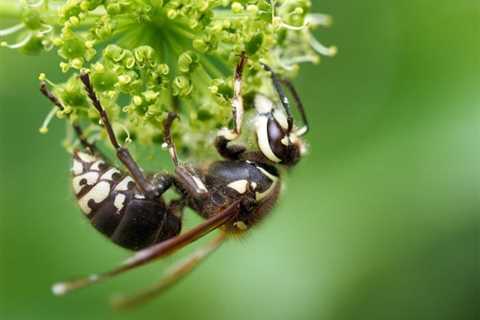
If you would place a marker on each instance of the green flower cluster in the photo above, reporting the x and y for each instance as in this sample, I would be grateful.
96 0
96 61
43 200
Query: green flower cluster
147 57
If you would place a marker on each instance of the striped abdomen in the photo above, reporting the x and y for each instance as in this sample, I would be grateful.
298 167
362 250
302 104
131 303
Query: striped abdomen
115 206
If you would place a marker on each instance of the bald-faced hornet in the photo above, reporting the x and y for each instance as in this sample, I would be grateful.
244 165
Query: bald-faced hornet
232 195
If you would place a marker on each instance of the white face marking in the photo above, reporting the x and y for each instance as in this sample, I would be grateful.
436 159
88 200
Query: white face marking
139 196
96 165
263 104
85 157
119 201
109 174
90 177
98 193
281 118
123 185
262 134
77 167
293 139
253 185
240 186
200 186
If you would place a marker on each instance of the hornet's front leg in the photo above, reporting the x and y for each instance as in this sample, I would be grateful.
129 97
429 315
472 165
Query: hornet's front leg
226 135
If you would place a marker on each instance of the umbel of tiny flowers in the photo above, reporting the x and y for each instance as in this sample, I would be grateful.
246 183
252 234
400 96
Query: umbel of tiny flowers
147 57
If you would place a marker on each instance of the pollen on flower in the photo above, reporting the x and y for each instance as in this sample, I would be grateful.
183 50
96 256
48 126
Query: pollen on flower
147 58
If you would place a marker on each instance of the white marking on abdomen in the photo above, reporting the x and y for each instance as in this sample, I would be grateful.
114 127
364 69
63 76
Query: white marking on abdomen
119 201
123 185
98 194
91 178
85 157
261 124
96 165
240 186
109 174
290 139
77 167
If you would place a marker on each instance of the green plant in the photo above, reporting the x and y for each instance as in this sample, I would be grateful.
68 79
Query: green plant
147 57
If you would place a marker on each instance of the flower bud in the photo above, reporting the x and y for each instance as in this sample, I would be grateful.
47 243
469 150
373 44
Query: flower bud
252 9
103 79
143 53
32 19
114 8
182 86
128 59
137 100
187 61
72 94
72 46
114 52
33 46
163 69
150 95
77 63
237 7
200 45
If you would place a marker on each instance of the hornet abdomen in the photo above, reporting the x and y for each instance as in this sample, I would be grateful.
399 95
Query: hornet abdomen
116 207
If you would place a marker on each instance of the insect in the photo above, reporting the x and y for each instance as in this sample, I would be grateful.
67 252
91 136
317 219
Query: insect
232 195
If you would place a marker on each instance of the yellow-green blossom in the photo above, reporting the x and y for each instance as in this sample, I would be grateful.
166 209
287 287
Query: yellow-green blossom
147 57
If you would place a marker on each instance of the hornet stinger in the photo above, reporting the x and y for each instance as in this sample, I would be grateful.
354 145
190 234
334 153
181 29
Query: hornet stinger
232 195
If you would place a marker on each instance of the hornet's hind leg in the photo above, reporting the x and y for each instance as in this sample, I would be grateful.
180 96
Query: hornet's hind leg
173 274
150 191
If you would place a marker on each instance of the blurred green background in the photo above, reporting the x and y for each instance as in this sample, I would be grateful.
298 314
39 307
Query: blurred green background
380 221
